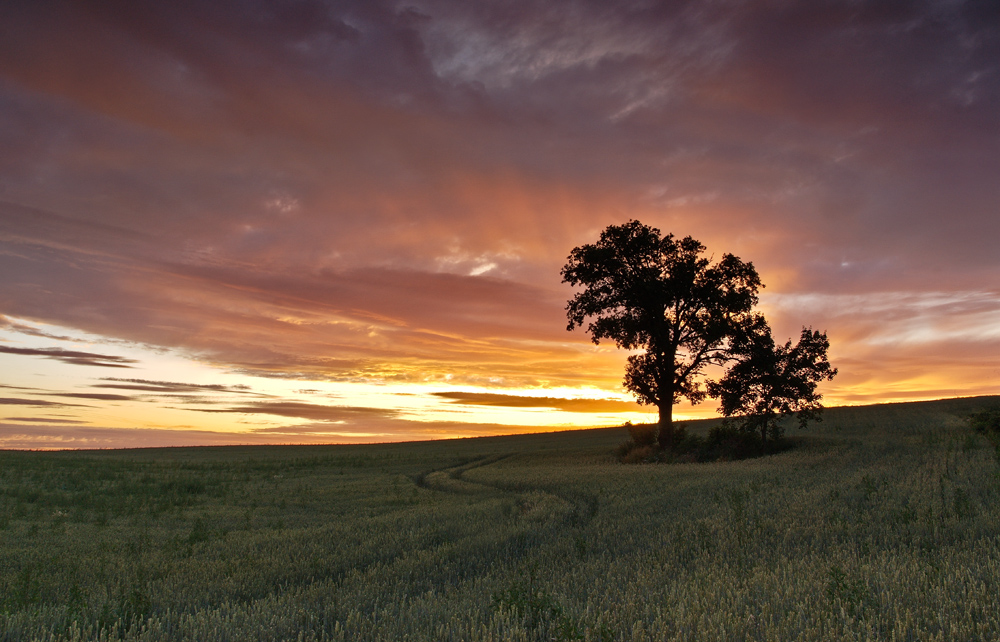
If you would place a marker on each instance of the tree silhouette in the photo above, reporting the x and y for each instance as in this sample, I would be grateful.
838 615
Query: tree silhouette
659 294
768 381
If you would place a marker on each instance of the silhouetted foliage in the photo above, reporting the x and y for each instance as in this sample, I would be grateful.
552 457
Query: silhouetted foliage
659 294
725 442
641 434
986 421
768 381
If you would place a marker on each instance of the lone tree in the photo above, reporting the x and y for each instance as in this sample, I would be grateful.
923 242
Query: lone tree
768 382
651 292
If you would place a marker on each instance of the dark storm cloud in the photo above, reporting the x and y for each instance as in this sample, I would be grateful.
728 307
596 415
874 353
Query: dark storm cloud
73 357
358 191
514 401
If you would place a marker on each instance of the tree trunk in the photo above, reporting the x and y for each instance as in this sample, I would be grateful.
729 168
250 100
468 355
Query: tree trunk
666 432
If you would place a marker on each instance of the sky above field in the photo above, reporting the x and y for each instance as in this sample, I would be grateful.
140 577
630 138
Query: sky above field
303 222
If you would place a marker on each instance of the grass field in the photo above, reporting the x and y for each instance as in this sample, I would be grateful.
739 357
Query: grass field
882 524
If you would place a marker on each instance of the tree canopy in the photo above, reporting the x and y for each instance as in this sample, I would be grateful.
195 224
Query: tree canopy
660 294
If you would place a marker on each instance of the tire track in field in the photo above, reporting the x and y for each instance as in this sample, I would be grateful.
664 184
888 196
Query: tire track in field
450 479
436 478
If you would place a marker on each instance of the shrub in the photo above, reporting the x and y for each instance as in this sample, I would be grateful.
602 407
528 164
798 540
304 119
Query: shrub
638 454
642 434
641 445
728 442
986 421
687 444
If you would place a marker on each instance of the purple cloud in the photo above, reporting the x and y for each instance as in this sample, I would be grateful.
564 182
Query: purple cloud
73 357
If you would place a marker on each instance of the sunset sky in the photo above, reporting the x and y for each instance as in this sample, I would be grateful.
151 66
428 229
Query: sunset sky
332 222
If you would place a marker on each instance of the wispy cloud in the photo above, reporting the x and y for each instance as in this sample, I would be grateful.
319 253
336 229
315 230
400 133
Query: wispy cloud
45 420
24 328
555 403
96 396
72 357
301 410
3 385
146 385
38 403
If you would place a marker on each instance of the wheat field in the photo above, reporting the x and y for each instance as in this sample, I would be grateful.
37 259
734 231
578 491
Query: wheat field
883 523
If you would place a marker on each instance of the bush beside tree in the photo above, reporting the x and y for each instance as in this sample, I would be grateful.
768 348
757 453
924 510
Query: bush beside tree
725 442
769 382
987 422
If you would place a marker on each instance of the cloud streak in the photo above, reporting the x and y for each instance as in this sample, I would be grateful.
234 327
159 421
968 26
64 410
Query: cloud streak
301 410
96 396
514 401
72 357
45 420
38 403
145 385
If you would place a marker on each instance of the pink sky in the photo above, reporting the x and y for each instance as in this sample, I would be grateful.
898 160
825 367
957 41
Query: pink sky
313 222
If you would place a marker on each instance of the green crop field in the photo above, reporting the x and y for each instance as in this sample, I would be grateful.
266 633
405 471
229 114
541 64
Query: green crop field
883 523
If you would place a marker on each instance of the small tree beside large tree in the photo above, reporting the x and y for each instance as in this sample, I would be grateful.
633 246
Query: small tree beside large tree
768 382
682 312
